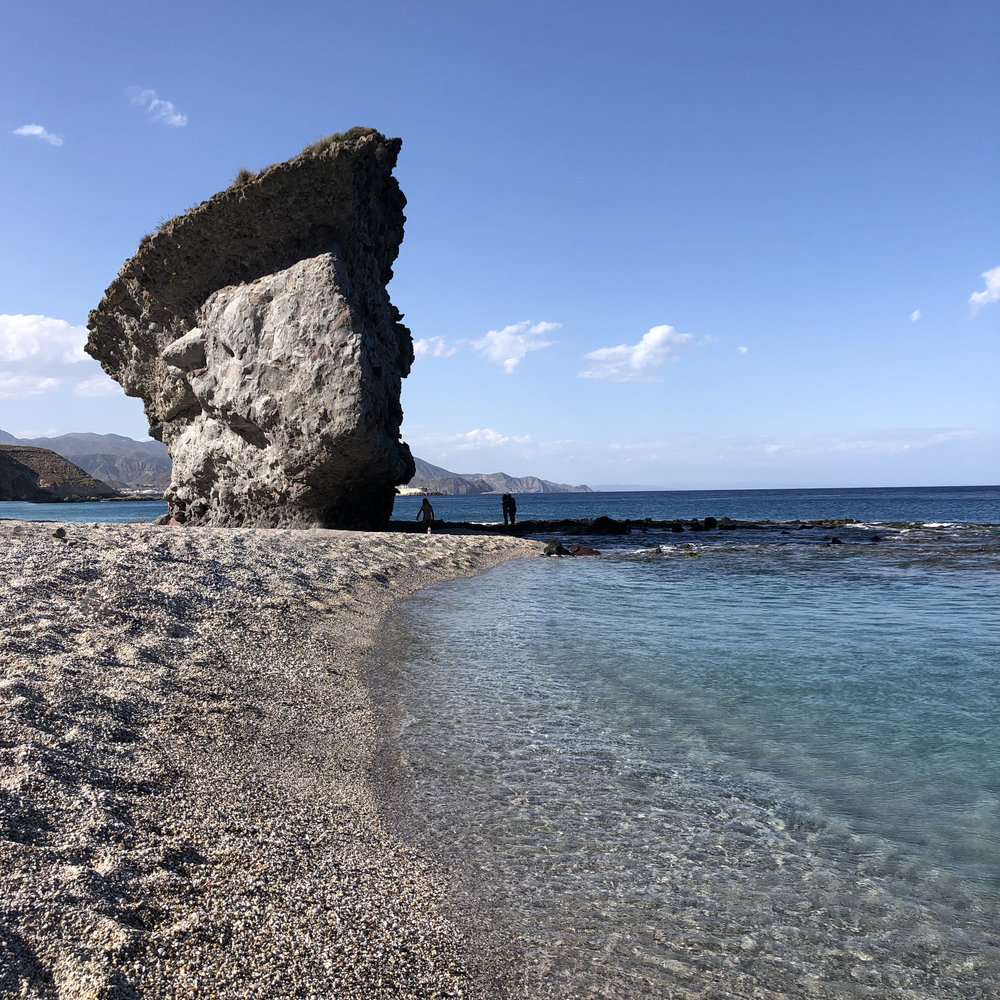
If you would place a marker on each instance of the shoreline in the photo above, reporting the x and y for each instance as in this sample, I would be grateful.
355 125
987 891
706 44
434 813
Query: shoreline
188 803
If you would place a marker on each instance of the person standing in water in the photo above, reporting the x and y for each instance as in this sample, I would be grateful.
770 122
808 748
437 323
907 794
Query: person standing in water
426 514
509 505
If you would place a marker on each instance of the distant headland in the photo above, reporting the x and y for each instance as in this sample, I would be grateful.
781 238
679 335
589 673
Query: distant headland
123 468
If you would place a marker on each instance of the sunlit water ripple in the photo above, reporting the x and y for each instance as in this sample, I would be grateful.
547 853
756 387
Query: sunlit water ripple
726 768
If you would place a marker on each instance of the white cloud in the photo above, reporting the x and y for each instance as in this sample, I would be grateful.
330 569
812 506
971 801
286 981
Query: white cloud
41 339
992 293
541 328
18 386
40 132
99 385
915 315
485 437
743 350
433 347
39 354
509 346
637 362
36 432
157 109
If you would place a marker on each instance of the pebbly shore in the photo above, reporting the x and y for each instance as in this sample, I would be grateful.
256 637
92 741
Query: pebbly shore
187 803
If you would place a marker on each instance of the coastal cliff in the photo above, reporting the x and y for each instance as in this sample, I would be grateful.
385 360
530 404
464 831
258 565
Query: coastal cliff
38 475
119 461
258 332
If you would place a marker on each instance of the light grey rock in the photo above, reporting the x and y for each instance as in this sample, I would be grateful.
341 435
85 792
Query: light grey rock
186 353
258 331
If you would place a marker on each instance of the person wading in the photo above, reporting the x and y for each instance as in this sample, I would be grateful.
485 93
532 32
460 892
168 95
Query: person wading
509 505
426 514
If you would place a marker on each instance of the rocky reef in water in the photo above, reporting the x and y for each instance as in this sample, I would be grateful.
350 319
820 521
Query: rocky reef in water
258 332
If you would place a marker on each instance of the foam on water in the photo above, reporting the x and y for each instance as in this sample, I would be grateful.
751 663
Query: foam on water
771 770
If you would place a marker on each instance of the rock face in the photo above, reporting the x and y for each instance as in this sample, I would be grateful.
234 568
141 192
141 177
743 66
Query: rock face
41 476
258 332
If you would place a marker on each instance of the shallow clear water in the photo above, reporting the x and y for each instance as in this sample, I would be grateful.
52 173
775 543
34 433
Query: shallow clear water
728 768
101 512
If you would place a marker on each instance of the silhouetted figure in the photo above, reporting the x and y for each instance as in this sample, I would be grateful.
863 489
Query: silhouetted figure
426 514
509 509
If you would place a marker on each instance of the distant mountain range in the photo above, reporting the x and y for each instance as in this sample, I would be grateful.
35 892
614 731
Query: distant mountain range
127 464
434 479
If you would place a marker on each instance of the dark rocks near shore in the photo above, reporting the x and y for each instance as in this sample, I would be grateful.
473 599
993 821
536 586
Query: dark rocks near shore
556 548
258 332
608 526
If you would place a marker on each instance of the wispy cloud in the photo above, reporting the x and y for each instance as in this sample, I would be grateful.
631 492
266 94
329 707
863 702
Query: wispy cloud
40 132
481 440
433 347
509 346
485 437
99 385
699 460
40 354
915 316
638 362
992 292
21 386
35 432
743 350
506 347
156 108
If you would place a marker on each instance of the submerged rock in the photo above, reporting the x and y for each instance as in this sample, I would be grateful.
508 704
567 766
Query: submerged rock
555 548
258 332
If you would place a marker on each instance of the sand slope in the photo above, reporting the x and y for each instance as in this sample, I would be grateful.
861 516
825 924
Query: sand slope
185 754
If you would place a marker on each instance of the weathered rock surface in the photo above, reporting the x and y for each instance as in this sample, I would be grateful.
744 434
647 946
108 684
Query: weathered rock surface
258 332
17 481
41 476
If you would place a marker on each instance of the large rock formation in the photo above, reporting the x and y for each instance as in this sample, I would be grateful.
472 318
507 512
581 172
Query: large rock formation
258 332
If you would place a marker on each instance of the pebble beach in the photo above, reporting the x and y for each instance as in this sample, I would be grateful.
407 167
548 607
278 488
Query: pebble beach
188 805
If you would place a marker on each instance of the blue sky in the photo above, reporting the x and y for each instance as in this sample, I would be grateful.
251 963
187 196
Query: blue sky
680 244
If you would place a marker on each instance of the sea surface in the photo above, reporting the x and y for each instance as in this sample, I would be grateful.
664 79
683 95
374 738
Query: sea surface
974 504
721 764
90 512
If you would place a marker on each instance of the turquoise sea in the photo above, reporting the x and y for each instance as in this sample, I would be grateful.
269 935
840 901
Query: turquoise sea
725 764
96 512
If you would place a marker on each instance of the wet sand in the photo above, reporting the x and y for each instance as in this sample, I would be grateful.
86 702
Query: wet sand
187 746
